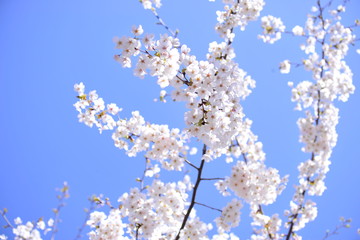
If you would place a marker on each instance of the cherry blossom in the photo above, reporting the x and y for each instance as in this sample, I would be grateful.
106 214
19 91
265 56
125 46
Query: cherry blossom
213 90
273 27
285 67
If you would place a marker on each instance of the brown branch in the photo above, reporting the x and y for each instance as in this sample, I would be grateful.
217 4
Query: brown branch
212 179
197 183
188 162
204 205
138 226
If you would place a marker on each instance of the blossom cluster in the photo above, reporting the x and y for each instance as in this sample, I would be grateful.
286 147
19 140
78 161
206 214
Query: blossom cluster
327 43
157 213
247 145
273 27
211 89
230 216
154 214
106 227
307 213
265 227
149 4
237 14
255 183
30 230
332 81
133 135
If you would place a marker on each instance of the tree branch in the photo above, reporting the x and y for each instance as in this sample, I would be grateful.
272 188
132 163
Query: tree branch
88 212
204 205
3 214
212 179
318 112
197 183
162 23
64 194
188 162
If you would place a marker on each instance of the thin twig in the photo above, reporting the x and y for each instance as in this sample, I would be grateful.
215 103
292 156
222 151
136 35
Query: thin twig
204 205
3 214
162 23
88 212
212 179
344 224
188 162
141 180
242 153
64 194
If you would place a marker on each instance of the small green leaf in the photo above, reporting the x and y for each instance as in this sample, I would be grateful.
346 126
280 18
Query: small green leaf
100 115
82 97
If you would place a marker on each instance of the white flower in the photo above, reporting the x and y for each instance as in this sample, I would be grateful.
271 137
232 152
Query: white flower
106 227
79 88
124 61
162 93
314 9
254 182
137 30
150 172
40 225
113 109
95 218
163 82
146 4
17 221
298 31
273 27
148 40
237 14
120 42
50 222
230 216
285 67
3 237
341 8
193 151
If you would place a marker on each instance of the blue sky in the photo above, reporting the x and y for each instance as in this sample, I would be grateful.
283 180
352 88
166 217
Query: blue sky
47 45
